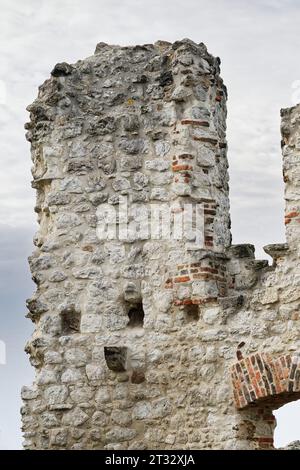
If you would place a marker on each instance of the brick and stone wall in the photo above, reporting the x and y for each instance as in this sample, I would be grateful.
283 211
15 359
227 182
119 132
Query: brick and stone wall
144 342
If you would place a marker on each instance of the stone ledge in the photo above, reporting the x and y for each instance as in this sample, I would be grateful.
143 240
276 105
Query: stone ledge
245 250
276 250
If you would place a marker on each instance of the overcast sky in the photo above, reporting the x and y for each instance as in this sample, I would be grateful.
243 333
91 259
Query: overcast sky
258 43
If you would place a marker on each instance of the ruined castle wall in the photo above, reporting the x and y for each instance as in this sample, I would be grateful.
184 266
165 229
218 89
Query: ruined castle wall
267 374
144 342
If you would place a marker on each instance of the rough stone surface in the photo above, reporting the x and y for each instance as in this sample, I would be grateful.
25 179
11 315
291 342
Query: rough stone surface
147 343
295 445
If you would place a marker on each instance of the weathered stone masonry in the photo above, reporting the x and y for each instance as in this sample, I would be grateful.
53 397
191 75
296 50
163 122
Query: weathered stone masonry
145 343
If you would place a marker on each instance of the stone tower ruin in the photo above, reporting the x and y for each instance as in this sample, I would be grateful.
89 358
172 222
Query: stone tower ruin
145 341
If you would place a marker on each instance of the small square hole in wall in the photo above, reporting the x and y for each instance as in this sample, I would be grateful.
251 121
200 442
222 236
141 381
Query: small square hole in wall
115 358
70 322
191 312
136 315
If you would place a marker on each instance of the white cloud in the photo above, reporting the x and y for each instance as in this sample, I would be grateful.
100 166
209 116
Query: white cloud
287 429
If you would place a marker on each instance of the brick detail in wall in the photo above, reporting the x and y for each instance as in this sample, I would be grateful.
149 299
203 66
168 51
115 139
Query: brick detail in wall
210 210
207 271
293 215
182 167
195 122
260 376
182 162
265 440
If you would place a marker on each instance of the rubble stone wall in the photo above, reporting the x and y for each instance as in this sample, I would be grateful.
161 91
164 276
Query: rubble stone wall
145 342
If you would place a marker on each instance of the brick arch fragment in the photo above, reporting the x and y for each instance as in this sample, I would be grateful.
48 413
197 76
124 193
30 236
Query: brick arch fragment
263 378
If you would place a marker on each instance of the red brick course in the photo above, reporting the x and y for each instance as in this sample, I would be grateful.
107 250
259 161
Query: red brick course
205 270
195 301
181 167
208 140
195 122
290 216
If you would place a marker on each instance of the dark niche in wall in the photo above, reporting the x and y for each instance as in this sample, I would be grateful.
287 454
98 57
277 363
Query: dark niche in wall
70 321
191 312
